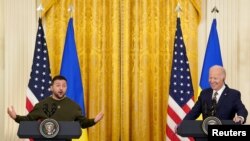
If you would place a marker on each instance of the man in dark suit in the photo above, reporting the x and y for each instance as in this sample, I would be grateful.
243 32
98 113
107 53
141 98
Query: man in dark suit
219 100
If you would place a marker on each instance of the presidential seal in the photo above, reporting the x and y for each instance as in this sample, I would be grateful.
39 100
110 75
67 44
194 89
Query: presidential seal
49 128
211 120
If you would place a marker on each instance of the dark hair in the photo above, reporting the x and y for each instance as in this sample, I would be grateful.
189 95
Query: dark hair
58 77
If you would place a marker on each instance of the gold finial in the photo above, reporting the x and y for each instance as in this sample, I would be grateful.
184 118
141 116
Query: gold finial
40 9
178 9
70 9
215 10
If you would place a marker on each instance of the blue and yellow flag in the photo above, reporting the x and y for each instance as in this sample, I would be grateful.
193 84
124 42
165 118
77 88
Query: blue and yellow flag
212 56
70 69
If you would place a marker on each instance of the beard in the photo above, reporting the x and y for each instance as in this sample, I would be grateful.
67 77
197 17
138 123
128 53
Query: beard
59 95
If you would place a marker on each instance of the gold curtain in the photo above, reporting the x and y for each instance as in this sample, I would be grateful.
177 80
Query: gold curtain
125 53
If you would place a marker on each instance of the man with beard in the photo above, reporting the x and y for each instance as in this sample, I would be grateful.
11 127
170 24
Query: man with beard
57 106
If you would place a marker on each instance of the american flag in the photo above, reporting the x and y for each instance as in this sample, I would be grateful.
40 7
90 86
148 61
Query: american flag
181 92
40 79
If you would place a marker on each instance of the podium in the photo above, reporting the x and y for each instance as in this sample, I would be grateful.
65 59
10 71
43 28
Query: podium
193 128
67 130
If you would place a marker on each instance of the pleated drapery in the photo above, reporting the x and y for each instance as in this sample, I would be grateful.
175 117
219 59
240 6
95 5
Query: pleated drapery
125 52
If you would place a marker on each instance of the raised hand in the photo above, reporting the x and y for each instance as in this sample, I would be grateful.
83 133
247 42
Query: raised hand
99 117
11 111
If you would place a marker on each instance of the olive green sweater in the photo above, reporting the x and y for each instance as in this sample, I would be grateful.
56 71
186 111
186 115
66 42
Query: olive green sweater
60 110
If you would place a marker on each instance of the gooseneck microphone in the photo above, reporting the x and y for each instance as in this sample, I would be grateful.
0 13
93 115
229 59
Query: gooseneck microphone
49 111
46 109
205 109
53 108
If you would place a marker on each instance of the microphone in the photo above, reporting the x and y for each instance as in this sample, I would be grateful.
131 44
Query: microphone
46 109
49 112
205 109
53 108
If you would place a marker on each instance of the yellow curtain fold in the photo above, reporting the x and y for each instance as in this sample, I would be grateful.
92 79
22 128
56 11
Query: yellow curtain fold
144 77
148 33
97 35
47 4
125 52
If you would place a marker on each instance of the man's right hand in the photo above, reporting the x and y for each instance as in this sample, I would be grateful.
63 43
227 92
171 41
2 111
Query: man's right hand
11 111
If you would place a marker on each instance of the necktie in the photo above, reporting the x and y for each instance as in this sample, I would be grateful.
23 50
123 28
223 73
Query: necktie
215 97
214 103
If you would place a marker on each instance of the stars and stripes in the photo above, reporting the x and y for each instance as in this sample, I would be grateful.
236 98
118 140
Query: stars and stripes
40 79
181 92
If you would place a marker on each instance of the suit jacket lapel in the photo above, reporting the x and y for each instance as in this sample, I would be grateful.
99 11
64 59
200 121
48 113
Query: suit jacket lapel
223 96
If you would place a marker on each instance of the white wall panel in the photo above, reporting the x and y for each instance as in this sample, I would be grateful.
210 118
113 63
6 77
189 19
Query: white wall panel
244 53
1 65
19 40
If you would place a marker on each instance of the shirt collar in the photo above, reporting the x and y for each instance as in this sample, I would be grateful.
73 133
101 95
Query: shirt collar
220 90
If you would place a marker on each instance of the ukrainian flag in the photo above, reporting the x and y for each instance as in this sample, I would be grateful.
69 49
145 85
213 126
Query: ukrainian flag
212 55
71 70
